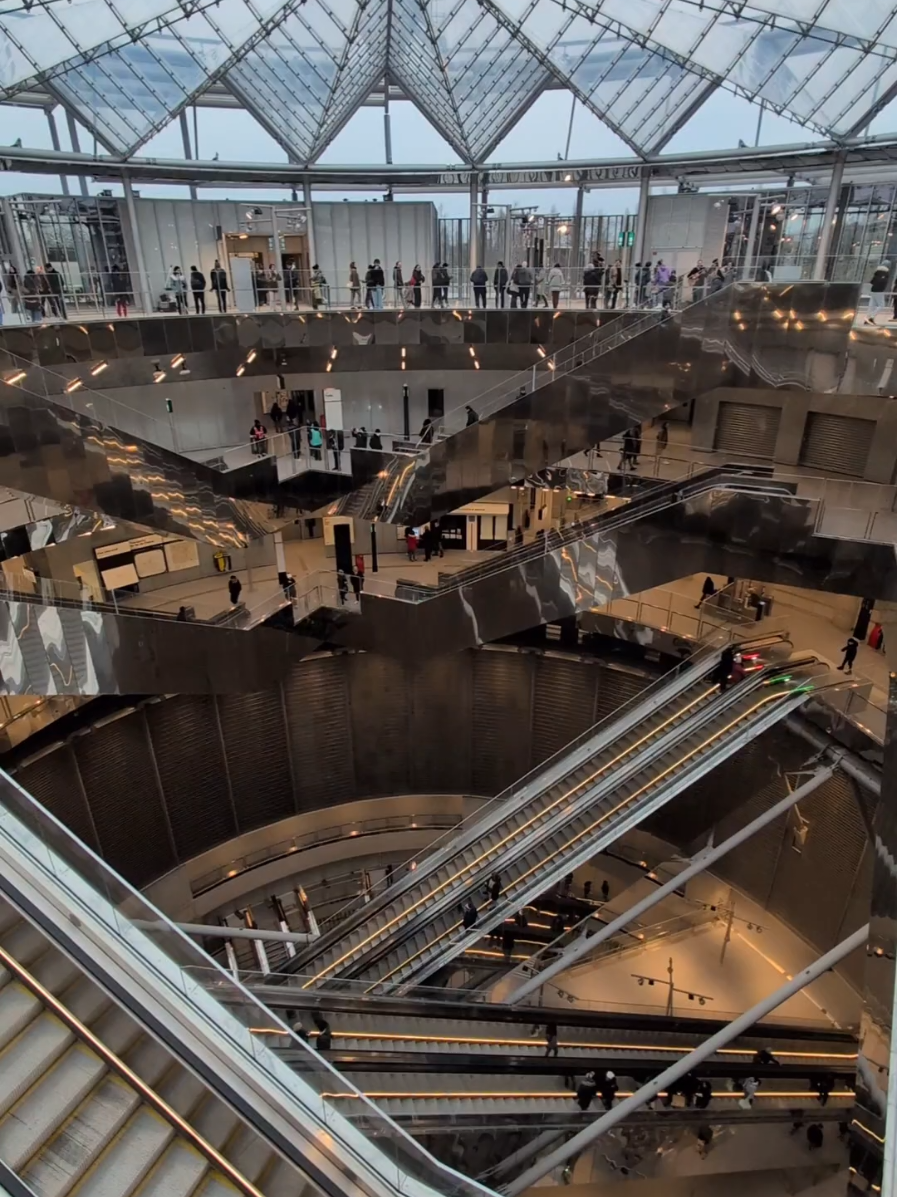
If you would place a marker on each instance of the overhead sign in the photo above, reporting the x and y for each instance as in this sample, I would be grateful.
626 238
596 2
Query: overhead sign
564 174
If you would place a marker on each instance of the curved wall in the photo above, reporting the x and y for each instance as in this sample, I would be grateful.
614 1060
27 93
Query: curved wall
162 783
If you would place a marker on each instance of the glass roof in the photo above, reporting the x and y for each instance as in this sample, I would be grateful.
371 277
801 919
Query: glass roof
473 67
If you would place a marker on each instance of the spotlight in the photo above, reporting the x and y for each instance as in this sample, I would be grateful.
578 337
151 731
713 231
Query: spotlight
99 368
14 378
74 385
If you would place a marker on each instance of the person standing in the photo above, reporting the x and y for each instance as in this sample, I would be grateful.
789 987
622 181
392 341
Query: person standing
13 290
120 281
411 543
219 285
359 568
292 286
850 655
472 417
378 282
480 281
272 279
29 289
555 283
524 284
260 285
177 285
356 586
234 587
342 585
708 590
663 436
613 284
375 442
551 1040
54 289
318 288
418 278
427 432
500 283
877 288
315 440
540 290
354 286
43 286
586 1090
609 1088
198 289
361 437
398 282
276 414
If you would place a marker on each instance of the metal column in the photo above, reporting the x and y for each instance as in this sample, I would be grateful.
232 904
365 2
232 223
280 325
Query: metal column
576 240
12 232
585 944
278 259
387 130
188 153
748 267
143 286
828 218
709 1047
472 232
54 138
641 220
76 146
309 222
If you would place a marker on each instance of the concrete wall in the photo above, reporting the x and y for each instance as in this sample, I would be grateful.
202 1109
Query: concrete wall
184 233
795 407
218 413
682 228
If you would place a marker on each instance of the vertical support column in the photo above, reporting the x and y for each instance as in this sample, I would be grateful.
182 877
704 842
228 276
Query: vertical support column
309 222
76 146
387 130
278 259
188 153
576 239
472 236
641 220
828 218
12 233
54 138
481 233
747 270
143 286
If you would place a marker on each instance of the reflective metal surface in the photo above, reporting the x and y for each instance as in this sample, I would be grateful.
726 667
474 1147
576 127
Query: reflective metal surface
747 335
50 650
292 343
48 450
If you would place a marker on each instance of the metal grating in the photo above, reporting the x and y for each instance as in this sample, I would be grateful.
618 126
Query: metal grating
317 705
190 760
53 781
379 713
255 746
747 428
439 738
120 781
563 703
502 714
839 444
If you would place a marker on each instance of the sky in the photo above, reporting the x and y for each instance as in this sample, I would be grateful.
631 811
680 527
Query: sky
540 136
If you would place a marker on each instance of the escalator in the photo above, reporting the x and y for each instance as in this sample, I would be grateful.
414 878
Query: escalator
560 816
122 1073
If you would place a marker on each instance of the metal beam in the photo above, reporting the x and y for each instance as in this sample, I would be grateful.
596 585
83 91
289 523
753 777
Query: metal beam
188 152
585 944
76 147
54 137
738 1026
143 286
828 218
220 932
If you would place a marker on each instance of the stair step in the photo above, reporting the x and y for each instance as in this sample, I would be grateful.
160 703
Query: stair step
176 1174
128 1158
28 1056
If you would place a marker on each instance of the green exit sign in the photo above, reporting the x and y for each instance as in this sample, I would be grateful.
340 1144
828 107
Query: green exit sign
627 238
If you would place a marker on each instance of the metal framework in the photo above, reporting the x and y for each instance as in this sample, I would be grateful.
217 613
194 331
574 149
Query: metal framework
302 68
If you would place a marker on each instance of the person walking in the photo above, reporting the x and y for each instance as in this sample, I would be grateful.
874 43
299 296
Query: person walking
472 417
356 586
723 672
480 280
378 283
260 286
427 432
540 290
663 436
551 1040
198 290
411 544
850 655
591 284
555 284
342 585
369 287
469 915
418 278
315 440
361 437
220 288
877 289
318 287
708 590
398 282
13 289
177 285
335 443
508 939
586 1090
234 586
605 890
500 283
55 300
292 286
613 284
494 887
359 569
354 286
276 414
705 1138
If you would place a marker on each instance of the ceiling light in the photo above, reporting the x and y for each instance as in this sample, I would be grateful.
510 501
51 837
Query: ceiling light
250 357
98 369
329 367
333 354
177 361
74 385
241 369
158 375
14 378
476 364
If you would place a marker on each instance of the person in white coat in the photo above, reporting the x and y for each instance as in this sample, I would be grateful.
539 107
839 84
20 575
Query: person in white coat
555 284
